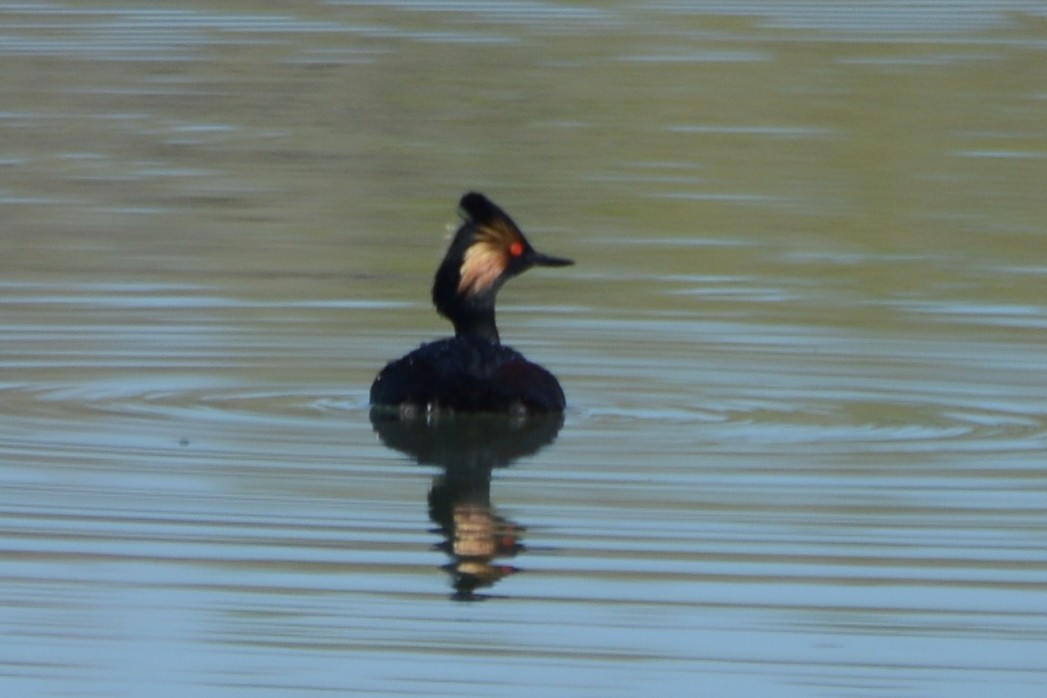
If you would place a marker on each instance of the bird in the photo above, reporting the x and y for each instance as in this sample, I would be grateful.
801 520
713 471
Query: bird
473 372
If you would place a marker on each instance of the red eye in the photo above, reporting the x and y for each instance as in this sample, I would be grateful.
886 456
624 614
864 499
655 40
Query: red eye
516 249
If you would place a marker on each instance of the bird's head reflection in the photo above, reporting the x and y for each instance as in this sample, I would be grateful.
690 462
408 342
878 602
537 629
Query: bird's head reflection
467 448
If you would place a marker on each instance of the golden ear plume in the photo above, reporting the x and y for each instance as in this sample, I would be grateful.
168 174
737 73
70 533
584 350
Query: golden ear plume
488 257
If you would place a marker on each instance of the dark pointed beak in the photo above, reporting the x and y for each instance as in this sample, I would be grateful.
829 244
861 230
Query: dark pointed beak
544 260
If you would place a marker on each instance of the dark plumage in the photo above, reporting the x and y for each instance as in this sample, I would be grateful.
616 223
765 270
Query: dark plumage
467 374
473 371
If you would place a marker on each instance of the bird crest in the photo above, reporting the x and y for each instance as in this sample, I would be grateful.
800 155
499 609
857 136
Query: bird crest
487 250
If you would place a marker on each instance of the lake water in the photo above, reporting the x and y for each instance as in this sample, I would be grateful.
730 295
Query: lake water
804 349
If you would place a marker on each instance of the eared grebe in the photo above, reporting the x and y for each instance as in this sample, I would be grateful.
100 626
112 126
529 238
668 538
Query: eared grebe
473 371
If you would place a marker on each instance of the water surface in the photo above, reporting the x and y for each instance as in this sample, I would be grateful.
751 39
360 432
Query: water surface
803 350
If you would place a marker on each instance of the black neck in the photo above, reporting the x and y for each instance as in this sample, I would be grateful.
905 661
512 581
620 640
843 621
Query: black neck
472 316
476 323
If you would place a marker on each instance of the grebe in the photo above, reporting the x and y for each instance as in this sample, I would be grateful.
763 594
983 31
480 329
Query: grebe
473 371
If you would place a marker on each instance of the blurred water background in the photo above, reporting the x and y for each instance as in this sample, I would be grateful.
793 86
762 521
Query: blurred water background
803 347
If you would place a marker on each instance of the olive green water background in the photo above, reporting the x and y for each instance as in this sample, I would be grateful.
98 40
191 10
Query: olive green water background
804 346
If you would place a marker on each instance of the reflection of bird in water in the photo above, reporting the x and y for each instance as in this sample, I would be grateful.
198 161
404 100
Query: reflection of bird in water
473 371
475 536
468 448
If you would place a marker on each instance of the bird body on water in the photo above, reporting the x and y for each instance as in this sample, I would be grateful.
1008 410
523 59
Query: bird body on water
473 371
